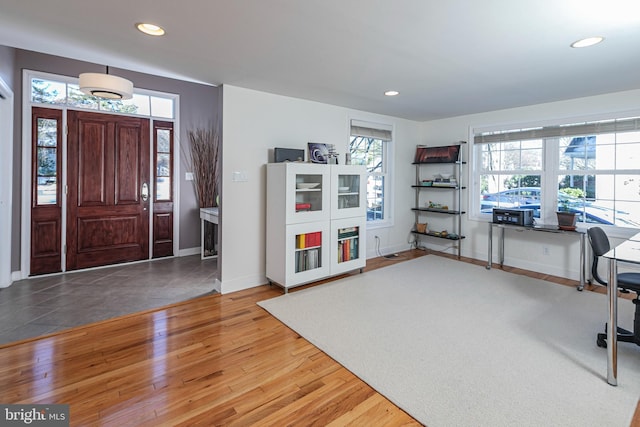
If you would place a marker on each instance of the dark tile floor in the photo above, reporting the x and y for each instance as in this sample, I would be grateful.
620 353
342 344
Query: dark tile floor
41 305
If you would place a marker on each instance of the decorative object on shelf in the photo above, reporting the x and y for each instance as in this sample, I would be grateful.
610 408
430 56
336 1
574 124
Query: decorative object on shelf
421 227
332 159
307 185
347 158
446 154
432 205
319 153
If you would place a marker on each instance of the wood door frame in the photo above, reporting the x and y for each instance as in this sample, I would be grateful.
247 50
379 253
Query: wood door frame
25 217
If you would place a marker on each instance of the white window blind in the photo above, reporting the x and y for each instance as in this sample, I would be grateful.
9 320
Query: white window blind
577 129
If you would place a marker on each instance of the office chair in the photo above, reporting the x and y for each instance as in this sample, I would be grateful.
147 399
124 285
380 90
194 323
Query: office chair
627 282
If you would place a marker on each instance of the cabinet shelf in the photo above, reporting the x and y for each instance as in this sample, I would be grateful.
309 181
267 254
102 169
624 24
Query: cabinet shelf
306 249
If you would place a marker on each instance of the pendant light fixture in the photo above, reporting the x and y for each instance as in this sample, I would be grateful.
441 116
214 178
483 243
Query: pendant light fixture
106 86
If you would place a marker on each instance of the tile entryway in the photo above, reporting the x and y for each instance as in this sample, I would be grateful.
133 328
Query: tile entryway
42 305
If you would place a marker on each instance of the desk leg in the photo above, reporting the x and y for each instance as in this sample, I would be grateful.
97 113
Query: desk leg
202 239
490 249
612 325
501 247
582 261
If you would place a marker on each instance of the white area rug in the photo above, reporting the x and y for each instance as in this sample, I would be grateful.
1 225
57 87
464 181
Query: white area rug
454 344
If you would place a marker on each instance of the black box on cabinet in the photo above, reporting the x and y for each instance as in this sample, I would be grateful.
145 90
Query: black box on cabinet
522 217
288 155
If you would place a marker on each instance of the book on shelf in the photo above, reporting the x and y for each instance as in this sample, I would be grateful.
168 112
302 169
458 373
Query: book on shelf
308 240
303 207
344 233
347 250
442 182
307 260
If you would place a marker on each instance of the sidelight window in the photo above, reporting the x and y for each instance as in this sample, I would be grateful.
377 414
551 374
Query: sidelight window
163 160
46 169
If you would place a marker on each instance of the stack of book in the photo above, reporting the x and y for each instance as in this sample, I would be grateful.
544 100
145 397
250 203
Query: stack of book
348 243
303 207
309 240
442 182
307 260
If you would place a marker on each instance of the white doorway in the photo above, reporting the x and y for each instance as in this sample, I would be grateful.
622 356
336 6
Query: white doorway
6 179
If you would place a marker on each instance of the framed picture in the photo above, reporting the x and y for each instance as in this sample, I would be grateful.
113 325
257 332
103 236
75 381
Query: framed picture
446 154
318 153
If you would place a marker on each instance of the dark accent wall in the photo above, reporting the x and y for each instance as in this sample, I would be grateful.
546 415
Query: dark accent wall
198 104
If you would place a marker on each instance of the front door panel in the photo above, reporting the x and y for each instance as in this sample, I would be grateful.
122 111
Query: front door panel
108 165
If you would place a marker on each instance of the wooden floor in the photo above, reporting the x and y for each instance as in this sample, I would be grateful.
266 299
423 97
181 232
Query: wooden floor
215 360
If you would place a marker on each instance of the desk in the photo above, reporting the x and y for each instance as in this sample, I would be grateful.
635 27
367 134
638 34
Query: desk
540 228
628 251
209 215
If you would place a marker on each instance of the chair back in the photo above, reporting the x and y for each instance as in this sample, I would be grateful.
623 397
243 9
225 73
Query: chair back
599 245
598 240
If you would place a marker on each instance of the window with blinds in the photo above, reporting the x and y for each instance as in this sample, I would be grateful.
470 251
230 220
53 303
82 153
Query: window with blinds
369 146
589 168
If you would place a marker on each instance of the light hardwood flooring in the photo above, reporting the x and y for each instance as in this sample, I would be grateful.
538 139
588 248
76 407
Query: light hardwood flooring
213 360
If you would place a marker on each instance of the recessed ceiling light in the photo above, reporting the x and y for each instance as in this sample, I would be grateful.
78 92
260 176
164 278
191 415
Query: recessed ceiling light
391 93
151 29
590 41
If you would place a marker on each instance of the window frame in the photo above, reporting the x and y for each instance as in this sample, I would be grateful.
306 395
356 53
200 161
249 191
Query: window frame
551 168
387 172
29 75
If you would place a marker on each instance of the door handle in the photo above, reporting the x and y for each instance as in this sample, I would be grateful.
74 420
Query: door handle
145 192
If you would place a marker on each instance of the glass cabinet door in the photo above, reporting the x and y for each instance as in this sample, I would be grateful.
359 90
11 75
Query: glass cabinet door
348 244
348 191
307 192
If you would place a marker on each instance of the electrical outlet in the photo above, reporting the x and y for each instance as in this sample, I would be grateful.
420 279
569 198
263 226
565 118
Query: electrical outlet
545 250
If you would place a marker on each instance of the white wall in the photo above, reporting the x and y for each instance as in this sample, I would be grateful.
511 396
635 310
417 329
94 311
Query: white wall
256 122
6 157
527 252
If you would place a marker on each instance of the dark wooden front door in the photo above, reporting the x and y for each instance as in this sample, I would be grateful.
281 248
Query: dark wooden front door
107 174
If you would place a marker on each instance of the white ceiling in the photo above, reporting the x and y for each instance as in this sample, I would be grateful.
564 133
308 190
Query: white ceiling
446 57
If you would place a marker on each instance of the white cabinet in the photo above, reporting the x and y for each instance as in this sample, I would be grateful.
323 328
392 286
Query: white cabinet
316 219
